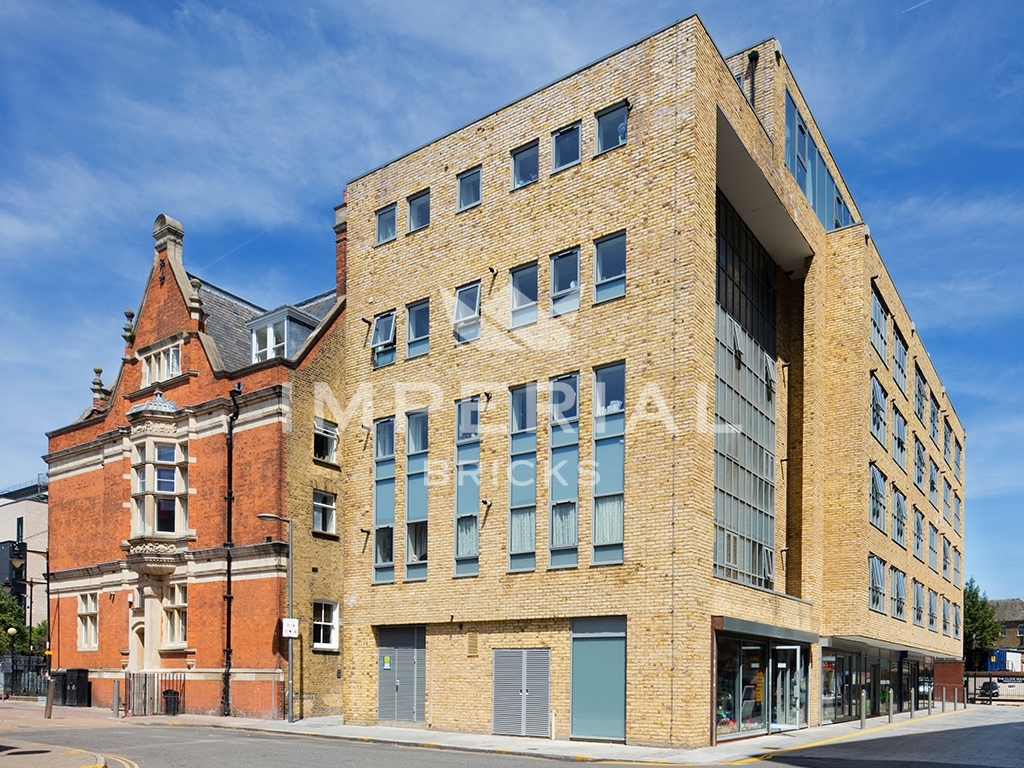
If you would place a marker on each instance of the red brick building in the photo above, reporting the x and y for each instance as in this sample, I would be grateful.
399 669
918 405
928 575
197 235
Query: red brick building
152 569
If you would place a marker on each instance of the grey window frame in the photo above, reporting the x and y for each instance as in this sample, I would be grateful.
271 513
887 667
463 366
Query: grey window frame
573 423
898 593
879 411
933 483
899 359
933 424
918 603
562 296
880 326
599 282
524 314
576 127
416 569
604 553
933 547
947 559
957 458
920 463
876 584
947 441
899 438
463 205
384 347
412 201
412 351
379 218
607 114
465 328
920 394
945 616
518 154
918 534
466 561
956 567
899 517
933 611
522 560
384 570
878 498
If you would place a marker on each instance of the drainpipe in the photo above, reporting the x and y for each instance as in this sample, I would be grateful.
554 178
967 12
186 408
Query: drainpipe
228 545
752 57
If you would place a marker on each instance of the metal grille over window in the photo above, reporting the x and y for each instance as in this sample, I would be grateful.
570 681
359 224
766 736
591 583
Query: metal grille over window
384 500
416 447
522 522
563 480
467 487
876 589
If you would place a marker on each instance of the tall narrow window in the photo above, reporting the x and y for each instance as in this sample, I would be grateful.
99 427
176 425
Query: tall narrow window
898 592
933 484
383 341
419 210
947 507
920 393
565 282
919 462
957 521
176 614
876 588
611 127
947 558
417 328
325 440
386 224
469 188
899 360
325 624
416 451
88 621
956 567
957 621
933 611
524 294
879 410
269 341
933 547
918 535
609 462
467 487
565 147
899 517
918 603
610 267
467 313
323 512
880 327
384 501
957 458
877 498
563 482
945 616
525 165
934 422
899 439
522 475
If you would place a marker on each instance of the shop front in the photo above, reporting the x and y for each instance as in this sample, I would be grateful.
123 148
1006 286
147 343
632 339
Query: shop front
882 673
762 678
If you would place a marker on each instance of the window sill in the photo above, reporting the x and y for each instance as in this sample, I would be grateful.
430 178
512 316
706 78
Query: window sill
469 207
163 386
91 649
566 167
325 535
610 149
385 242
168 650
326 650
326 463
609 300
529 183
610 562
418 229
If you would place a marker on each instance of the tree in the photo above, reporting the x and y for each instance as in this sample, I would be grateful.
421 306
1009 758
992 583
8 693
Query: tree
981 630
11 615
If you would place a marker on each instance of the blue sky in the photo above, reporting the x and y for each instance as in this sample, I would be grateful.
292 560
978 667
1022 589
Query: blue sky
245 120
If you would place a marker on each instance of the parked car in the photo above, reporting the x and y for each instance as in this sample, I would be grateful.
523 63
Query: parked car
989 688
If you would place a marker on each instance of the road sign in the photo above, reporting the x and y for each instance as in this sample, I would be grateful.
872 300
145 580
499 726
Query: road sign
289 627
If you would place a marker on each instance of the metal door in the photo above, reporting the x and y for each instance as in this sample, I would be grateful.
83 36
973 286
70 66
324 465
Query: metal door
521 691
401 673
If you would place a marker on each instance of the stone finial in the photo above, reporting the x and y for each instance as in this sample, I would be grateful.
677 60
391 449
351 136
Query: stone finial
129 327
100 394
195 301
168 234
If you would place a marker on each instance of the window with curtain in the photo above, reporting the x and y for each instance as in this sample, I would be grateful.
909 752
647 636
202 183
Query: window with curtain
609 463
416 451
522 522
467 487
384 501
563 479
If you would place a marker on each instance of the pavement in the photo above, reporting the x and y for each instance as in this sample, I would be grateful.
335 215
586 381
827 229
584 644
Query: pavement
30 714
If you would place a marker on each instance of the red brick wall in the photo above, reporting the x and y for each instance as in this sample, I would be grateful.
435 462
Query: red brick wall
949 676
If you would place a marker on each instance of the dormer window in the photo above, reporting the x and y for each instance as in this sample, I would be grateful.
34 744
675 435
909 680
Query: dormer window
162 365
269 341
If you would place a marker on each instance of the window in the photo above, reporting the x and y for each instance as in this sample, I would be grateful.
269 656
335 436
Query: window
899 360
416 448
918 535
1002 631
957 621
946 506
956 513
88 621
933 484
899 439
956 567
610 267
419 210
565 147
899 517
417 327
565 282
934 422
918 603
880 327
877 498
611 127
162 365
469 189
524 295
522 521
879 409
919 462
933 611
1020 630
269 341
898 594
323 512
947 442
525 165
176 614
383 340
467 313
384 501
609 463
563 482
946 558
876 590
325 440
160 495
933 548
386 224
945 616
325 624
957 458
920 393
467 487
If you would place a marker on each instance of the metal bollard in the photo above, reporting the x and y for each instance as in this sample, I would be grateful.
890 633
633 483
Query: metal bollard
913 702
863 708
956 697
51 689
117 699
943 698
890 706
931 698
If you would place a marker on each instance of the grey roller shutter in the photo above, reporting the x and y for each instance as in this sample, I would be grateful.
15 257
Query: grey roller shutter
405 684
401 689
386 703
538 680
507 700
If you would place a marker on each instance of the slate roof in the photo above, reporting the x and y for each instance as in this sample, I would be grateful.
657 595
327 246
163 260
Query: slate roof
1009 611
227 315
318 306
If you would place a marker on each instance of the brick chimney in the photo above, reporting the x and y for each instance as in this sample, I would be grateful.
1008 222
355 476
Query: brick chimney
341 247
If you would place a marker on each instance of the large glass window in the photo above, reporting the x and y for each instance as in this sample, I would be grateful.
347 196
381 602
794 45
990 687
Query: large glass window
522 523
563 481
525 165
609 463
524 294
611 127
741 687
565 147
565 282
469 188
384 501
610 267
416 452
467 487
160 488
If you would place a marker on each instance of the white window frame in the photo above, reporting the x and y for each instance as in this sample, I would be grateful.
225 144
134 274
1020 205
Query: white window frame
876 584
324 508
159 480
382 217
331 626
466 327
274 346
327 431
176 615
161 365
467 176
88 621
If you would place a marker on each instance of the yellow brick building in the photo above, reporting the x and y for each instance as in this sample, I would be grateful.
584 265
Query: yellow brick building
624 360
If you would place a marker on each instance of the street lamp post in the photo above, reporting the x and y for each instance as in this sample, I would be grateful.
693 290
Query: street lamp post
291 683
11 632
